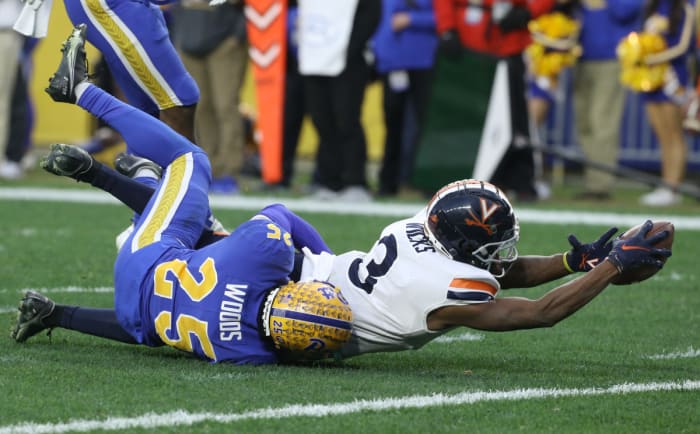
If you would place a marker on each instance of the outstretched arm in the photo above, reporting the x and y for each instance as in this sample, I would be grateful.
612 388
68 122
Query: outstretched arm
513 313
529 271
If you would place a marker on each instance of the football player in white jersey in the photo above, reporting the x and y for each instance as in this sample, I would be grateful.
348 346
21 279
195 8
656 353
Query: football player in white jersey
444 267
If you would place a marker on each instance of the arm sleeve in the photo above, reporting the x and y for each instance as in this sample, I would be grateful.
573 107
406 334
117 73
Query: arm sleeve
539 7
444 15
423 20
303 234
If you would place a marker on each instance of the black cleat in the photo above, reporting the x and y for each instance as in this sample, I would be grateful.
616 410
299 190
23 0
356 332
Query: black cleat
33 309
129 165
73 68
67 160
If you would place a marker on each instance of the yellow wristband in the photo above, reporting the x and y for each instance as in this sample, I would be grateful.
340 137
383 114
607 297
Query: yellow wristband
566 264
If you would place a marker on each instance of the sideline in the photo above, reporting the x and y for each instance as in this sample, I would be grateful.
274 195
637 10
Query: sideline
384 209
186 418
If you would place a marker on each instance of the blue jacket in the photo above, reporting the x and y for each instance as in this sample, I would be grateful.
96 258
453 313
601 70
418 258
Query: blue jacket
603 27
412 48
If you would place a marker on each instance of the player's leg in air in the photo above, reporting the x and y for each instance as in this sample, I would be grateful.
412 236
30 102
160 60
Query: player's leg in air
133 37
175 213
175 216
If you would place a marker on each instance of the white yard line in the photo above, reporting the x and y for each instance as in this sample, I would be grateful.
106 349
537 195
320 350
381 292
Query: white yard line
186 418
687 354
61 290
460 338
252 203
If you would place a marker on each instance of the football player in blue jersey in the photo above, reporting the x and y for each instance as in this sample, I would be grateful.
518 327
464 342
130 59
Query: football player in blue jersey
231 301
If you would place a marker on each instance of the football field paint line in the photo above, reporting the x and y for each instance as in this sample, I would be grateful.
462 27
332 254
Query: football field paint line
460 338
383 209
688 354
186 418
62 290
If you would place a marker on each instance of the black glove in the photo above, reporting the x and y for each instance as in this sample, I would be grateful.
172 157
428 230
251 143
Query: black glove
450 46
516 18
637 250
583 257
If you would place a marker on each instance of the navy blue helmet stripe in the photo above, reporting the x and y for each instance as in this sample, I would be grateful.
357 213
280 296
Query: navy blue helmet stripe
469 295
337 323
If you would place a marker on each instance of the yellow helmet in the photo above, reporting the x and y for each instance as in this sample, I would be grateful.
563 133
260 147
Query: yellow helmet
307 320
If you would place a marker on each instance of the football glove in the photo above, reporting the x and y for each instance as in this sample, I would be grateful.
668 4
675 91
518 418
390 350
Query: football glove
583 257
638 250
450 46
516 18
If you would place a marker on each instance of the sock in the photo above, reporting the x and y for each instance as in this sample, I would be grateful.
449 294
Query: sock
146 172
90 174
92 321
80 88
132 193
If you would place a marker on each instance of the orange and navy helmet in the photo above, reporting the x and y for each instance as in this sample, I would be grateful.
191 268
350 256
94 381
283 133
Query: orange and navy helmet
473 222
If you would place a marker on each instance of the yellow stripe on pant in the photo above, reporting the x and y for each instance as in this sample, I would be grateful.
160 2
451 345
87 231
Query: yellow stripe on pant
169 197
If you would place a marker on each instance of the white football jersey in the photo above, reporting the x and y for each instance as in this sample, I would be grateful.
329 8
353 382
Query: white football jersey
393 287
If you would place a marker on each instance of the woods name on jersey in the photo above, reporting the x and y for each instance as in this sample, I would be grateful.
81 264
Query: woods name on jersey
230 312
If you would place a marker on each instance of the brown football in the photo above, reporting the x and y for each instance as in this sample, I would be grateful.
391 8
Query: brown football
642 273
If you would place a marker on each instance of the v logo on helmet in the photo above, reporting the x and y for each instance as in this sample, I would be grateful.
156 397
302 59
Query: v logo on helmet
486 212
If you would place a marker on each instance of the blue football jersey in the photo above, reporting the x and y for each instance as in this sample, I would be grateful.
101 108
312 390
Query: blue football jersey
205 301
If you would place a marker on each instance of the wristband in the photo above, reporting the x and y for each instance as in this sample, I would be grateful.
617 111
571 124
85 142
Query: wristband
566 264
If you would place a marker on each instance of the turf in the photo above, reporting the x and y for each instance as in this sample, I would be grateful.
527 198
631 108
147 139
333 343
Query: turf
75 377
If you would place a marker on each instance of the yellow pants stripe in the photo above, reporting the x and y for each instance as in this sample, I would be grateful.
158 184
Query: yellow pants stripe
170 195
132 54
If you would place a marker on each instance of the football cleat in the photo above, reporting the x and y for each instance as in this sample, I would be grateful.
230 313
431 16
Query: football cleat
129 165
473 222
34 308
67 160
307 320
73 68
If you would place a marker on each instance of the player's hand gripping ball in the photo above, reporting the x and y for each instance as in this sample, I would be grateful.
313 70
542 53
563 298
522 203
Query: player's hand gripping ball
641 251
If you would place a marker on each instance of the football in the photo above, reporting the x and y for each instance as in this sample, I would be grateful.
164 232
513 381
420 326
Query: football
642 273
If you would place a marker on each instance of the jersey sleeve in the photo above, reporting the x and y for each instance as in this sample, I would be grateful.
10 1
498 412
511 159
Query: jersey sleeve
472 290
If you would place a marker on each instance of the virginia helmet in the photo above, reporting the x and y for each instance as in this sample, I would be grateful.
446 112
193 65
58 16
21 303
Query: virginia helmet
473 222
307 320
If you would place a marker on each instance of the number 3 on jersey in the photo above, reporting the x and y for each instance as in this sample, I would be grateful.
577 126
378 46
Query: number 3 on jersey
364 275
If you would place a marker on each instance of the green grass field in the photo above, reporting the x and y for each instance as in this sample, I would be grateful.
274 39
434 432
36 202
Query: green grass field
627 363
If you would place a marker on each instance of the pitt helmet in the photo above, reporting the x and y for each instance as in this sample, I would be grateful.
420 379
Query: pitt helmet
473 222
307 320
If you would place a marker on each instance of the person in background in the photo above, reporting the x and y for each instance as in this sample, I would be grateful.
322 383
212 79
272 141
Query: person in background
10 47
213 46
659 70
499 28
554 48
333 38
404 47
294 100
18 155
597 95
